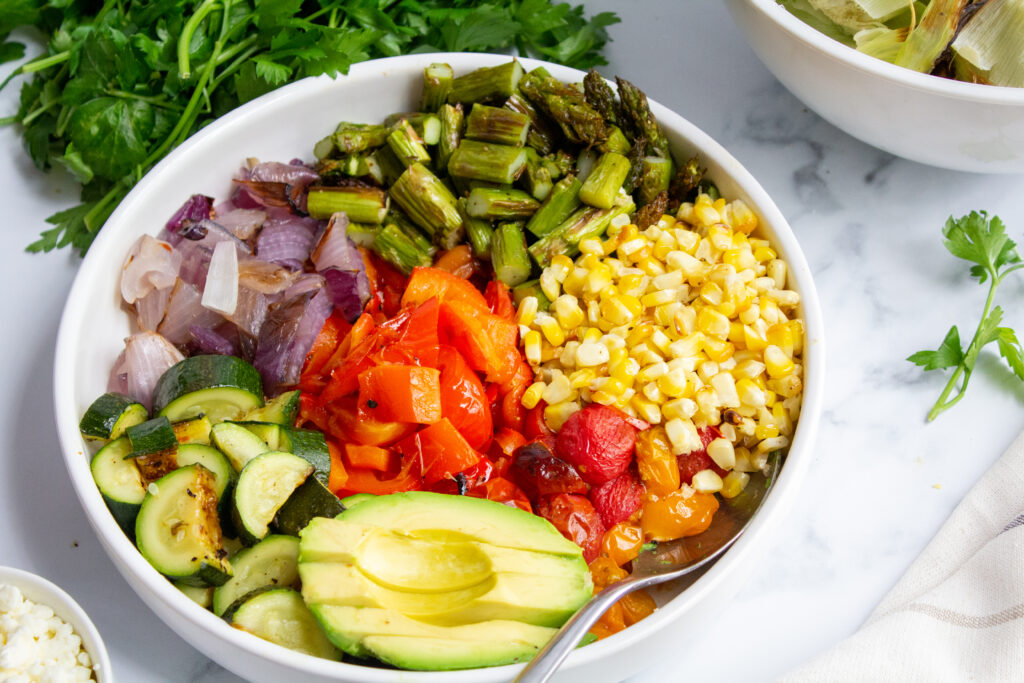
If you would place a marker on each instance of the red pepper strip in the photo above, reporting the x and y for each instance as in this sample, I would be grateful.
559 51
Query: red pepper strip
426 283
343 422
369 457
362 480
400 393
440 449
499 300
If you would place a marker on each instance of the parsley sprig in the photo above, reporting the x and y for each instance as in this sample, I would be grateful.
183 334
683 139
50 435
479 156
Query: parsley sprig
983 242
123 82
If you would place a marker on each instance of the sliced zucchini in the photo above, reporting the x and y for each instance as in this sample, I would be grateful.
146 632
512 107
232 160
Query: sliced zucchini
280 616
152 436
202 596
219 387
264 485
178 530
213 460
120 482
110 415
305 443
274 561
282 410
310 500
238 443
196 430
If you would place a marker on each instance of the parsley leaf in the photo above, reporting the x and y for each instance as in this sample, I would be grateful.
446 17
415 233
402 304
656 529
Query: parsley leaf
983 242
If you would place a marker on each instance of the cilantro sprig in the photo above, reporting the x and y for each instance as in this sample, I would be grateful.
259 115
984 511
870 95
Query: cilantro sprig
123 82
983 242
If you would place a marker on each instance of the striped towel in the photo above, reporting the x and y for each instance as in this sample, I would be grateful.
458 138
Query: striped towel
958 613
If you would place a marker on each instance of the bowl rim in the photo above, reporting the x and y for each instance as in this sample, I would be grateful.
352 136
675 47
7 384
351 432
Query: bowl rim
39 589
946 87
135 569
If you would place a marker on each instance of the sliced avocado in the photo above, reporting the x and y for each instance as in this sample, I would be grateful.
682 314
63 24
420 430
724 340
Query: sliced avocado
431 581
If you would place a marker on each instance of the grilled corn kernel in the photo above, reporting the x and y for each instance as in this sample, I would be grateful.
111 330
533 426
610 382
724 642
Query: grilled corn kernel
684 321
707 481
651 266
560 266
742 218
557 390
591 245
721 451
776 362
647 410
777 272
568 312
633 284
687 347
552 331
532 395
591 334
725 389
713 323
549 284
582 378
772 444
527 309
556 415
665 314
682 435
717 349
766 431
531 346
765 254
680 408
789 386
733 484
591 354
749 393
673 383
652 371
657 298
652 393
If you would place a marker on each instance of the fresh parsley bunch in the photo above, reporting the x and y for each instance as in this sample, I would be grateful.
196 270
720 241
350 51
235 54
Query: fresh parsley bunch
983 242
123 82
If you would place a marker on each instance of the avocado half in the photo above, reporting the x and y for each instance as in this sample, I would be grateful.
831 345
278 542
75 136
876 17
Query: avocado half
437 582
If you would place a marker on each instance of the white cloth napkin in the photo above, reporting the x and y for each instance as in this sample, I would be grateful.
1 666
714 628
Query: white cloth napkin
958 612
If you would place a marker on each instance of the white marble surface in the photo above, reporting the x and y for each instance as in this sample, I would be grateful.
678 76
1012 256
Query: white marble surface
883 480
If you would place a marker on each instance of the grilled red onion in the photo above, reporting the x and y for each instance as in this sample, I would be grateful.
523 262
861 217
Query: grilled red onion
242 223
185 309
306 282
145 358
296 175
150 309
265 277
196 208
251 311
206 340
339 261
287 336
287 239
151 264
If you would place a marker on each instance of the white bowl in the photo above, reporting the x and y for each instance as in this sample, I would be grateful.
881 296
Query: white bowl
40 590
924 118
282 125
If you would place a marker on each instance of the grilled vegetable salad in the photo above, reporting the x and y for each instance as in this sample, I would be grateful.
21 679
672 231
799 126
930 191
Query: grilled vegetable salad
508 329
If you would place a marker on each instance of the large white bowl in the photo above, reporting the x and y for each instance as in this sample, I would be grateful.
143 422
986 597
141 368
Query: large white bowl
44 592
282 125
929 119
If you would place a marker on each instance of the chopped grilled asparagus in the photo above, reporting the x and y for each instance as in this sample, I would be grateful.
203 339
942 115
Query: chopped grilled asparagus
478 230
486 84
508 254
542 134
430 205
487 161
493 124
604 182
493 203
585 222
407 145
636 110
398 218
362 234
601 97
585 162
536 176
437 83
655 177
452 120
636 163
560 203
531 288
360 204
426 125
390 166
395 247
615 142
560 163
686 180
581 123
351 138
334 171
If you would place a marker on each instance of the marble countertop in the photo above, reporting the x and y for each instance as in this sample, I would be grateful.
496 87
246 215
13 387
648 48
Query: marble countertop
882 481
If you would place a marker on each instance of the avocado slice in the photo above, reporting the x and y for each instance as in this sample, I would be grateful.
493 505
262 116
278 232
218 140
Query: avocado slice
431 581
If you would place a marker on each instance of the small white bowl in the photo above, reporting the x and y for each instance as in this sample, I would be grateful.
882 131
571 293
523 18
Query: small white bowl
284 124
924 118
39 590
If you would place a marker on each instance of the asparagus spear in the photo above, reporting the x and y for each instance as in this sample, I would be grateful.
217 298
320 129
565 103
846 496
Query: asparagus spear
451 132
636 110
398 218
651 213
581 123
560 203
390 166
487 161
536 176
542 136
361 204
508 254
492 124
486 83
498 204
430 204
437 83
426 125
362 234
407 145
616 141
531 288
601 97
560 163
655 177
478 230
686 180
395 247
351 138
584 222
604 182
636 163
355 166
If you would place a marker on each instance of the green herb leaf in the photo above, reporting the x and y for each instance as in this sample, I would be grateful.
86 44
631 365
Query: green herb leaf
111 135
949 354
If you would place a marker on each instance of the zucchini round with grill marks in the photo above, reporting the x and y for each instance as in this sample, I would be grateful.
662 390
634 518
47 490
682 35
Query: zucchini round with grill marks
119 481
264 485
274 561
178 530
219 387
110 415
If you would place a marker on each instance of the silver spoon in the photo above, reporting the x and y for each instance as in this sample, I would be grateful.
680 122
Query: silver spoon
664 562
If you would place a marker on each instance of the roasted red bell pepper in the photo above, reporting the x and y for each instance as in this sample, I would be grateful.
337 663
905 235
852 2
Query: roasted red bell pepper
362 480
427 283
400 393
344 423
369 457
499 300
463 400
440 450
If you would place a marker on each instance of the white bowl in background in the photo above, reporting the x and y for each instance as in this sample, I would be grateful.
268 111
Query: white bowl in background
924 118
282 125
45 592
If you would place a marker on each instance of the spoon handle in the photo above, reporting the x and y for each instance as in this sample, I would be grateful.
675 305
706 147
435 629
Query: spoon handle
544 664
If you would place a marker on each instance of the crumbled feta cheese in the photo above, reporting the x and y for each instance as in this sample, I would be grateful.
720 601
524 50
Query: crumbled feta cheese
36 646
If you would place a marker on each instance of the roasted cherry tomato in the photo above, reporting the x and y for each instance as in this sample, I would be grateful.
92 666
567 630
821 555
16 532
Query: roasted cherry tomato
677 514
598 442
622 543
693 462
617 499
576 518
502 490
659 468
537 471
